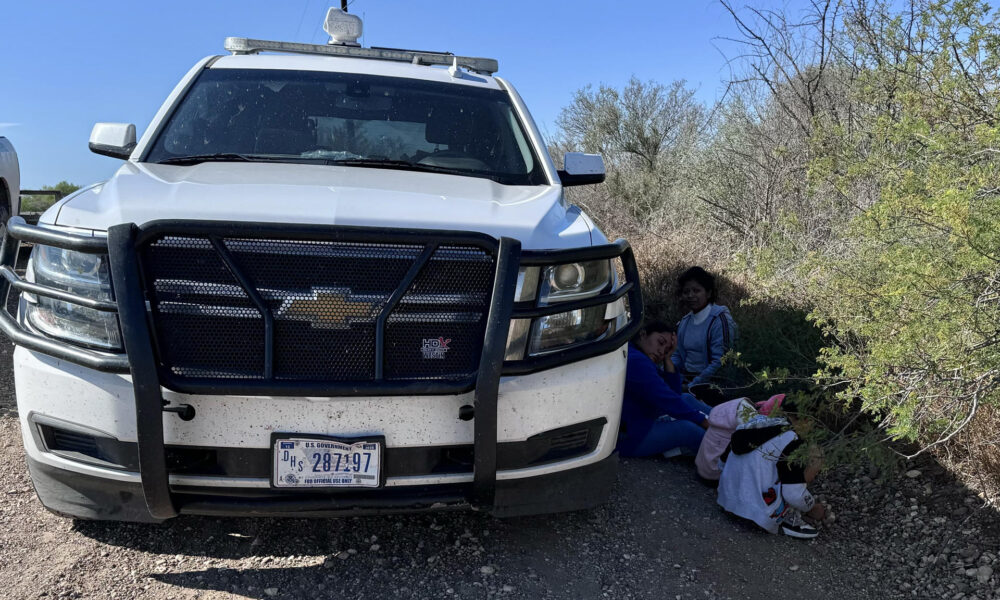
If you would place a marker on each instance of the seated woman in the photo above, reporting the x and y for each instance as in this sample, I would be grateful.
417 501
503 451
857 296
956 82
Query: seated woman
705 333
656 417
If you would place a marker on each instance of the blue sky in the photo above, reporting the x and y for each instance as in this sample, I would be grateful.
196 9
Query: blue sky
65 65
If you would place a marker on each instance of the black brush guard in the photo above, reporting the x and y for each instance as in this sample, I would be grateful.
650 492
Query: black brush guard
123 243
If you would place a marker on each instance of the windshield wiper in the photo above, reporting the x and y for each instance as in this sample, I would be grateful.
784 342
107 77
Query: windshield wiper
388 163
194 159
375 163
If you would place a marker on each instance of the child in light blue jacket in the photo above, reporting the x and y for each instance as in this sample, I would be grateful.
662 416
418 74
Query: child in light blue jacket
706 333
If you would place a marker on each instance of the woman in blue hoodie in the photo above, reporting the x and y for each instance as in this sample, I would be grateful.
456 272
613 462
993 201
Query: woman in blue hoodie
706 332
657 418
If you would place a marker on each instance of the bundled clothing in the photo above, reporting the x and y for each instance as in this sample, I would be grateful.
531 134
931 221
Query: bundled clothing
722 422
702 340
758 481
656 415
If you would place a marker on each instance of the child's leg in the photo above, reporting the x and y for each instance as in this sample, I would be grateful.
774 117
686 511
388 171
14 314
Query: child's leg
663 436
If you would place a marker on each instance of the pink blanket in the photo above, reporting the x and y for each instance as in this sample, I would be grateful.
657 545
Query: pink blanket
722 421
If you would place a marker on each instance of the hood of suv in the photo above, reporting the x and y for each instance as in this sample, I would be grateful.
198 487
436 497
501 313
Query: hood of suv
319 194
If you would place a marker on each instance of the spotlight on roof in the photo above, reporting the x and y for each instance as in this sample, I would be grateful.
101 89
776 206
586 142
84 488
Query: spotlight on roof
344 28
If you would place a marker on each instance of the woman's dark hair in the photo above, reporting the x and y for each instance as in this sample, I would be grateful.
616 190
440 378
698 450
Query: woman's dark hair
701 277
653 327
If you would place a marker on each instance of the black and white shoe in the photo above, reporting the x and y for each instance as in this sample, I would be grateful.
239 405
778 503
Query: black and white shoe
796 527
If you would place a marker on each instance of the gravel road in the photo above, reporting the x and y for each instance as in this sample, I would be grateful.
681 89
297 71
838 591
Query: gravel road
661 537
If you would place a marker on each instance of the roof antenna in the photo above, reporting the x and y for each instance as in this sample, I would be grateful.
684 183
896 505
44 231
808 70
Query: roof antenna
343 5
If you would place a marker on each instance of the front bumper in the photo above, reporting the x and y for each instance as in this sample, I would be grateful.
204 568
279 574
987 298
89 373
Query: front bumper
153 393
73 494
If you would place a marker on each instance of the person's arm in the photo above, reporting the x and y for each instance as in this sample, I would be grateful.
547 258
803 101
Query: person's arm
672 378
644 383
722 332
671 374
678 356
793 478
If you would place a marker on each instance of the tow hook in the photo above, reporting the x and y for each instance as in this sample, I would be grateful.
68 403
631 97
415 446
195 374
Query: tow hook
466 413
184 411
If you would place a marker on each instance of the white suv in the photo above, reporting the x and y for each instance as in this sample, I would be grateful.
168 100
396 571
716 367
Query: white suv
10 182
326 280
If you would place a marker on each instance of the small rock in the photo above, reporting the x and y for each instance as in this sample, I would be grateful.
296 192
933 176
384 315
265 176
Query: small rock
508 588
343 555
272 592
913 474
487 570
374 548
793 568
984 573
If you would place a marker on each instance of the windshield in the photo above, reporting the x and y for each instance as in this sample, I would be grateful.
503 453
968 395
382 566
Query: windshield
348 119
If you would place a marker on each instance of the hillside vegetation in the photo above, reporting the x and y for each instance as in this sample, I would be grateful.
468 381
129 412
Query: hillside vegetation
36 203
847 190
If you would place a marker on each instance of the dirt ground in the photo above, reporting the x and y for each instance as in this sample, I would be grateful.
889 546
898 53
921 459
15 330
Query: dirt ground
662 536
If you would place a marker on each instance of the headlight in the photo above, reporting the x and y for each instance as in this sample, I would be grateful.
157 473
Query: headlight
564 330
560 283
574 281
82 274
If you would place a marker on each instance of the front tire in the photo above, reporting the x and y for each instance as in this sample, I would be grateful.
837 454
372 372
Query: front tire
4 211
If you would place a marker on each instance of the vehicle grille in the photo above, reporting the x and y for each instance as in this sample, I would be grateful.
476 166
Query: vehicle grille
212 300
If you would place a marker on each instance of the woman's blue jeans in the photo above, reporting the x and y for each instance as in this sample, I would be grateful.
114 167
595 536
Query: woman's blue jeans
667 434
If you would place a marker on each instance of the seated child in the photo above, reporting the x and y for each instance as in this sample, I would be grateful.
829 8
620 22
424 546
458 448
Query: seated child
722 421
760 483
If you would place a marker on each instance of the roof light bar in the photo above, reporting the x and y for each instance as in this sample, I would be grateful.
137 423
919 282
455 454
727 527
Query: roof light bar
238 45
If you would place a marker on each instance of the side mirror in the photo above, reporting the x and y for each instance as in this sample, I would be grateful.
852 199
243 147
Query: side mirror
116 140
582 169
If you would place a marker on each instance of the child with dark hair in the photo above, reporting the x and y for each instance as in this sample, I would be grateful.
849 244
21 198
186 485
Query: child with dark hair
706 332
761 482
657 418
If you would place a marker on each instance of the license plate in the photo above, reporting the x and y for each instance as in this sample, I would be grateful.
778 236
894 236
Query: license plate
305 462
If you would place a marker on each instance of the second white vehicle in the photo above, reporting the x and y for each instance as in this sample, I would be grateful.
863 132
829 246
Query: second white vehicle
10 182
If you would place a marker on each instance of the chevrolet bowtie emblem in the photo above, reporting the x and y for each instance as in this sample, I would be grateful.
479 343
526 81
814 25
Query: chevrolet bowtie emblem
327 308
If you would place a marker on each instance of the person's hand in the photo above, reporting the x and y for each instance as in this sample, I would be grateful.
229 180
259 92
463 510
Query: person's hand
817 512
668 351
671 345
